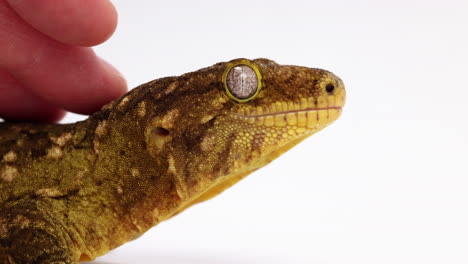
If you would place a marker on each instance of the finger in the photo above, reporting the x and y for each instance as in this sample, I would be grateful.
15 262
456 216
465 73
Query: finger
16 103
75 22
70 77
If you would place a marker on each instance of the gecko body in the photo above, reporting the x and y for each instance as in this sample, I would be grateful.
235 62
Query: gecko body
73 192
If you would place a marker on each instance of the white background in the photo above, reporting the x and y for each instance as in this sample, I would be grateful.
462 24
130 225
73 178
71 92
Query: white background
387 183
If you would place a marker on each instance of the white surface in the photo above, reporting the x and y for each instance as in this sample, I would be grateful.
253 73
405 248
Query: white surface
387 183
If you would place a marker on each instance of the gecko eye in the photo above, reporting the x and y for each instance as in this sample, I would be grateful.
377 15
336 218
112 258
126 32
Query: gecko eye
242 82
330 88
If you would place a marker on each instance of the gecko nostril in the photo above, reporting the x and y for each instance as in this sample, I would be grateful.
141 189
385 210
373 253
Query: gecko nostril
330 88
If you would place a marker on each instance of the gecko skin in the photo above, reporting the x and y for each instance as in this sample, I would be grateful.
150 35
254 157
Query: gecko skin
73 192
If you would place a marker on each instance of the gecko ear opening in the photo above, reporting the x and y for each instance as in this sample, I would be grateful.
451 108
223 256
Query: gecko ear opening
156 138
160 131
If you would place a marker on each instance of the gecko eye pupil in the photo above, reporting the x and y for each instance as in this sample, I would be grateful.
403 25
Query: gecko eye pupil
242 82
330 88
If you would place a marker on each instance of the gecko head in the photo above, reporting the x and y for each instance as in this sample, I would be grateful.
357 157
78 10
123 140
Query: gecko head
277 106
235 117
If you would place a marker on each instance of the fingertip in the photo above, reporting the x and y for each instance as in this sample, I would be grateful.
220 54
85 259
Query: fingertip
97 27
112 86
69 77
74 22
17 104
117 81
52 116
39 112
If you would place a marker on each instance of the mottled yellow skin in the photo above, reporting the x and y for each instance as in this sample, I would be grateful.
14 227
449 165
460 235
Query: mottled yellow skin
73 192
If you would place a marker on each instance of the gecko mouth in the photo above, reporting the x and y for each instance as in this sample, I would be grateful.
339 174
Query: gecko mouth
307 117
312 109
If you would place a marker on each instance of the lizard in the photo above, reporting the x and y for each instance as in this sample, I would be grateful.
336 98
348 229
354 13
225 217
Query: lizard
73 192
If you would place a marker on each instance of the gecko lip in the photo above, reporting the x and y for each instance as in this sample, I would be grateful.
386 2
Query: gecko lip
312 109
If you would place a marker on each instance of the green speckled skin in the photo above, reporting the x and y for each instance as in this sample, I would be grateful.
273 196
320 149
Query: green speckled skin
73 192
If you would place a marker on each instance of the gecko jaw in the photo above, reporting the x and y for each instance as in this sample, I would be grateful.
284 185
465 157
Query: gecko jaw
312 109
310 117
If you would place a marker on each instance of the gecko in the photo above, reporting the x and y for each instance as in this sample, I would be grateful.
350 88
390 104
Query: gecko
73 192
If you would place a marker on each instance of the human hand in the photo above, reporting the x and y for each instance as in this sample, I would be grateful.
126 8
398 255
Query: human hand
46 65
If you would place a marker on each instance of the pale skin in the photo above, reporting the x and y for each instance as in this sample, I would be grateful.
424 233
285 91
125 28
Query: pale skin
40 37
